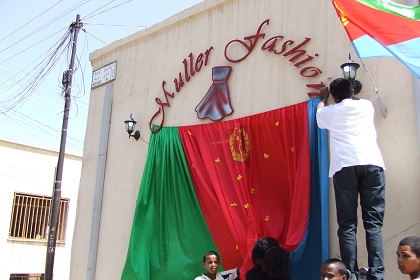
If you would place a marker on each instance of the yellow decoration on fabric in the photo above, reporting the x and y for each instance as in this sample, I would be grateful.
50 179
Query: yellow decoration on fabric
267 218
234 205
239 137
266 156
217 160
239 177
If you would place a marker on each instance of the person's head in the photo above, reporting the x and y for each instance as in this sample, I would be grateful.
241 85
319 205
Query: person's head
333 269
340 89
211 262
271 257
408 256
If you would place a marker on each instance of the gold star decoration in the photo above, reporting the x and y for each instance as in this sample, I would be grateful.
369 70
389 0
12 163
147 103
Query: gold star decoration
189 132
239 177
252 190
267 218
234 205
266 155
217 160
246 205
293 149
277 123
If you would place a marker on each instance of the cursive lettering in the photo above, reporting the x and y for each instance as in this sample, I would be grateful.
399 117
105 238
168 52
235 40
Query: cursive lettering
190 68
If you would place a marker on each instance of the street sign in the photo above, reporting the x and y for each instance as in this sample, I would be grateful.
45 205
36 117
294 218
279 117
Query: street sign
104 75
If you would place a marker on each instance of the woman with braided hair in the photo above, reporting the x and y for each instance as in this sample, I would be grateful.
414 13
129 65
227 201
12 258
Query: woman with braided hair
271 261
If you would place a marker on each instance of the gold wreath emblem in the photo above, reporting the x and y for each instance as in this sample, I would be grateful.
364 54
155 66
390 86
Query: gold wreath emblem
239 144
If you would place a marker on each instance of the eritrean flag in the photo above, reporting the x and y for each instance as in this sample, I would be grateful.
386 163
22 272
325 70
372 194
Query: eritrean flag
222 185
380 28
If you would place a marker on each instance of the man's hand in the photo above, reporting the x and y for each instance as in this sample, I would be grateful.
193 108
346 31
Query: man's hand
324 93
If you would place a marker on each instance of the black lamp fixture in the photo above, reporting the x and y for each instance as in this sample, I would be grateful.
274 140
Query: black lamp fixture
349 72
130 125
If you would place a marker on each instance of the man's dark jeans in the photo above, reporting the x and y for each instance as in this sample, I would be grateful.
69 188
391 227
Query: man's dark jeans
369 182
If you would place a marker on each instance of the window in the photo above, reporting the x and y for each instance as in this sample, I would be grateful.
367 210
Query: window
27 276
30 217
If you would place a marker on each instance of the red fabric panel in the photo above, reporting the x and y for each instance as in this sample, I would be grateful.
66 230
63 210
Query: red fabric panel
252 178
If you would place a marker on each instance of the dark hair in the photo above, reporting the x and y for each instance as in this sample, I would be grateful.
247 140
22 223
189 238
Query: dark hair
413 242
340 265
268 253
341 89
211 253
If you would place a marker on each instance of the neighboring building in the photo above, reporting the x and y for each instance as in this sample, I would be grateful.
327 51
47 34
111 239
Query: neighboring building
150 65
27 180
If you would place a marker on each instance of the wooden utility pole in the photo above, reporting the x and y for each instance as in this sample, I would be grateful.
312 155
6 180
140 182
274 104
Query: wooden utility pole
56 198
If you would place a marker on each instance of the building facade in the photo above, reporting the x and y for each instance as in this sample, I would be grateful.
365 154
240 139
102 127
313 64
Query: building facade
281 53
27 179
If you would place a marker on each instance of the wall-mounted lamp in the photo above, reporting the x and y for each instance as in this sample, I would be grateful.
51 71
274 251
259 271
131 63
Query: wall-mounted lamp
130 125
349 73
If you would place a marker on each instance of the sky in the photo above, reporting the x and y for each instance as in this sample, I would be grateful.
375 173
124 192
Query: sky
34 53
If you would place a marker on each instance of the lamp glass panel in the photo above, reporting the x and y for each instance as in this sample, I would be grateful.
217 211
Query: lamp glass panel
349 72
129 126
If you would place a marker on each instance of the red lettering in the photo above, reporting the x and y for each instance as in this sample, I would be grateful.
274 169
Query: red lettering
270 44
207 52
187 77
179 83
252 42
284 47
297 64
297 51
166 93
161 122
315 72
190 68
192 72
199 62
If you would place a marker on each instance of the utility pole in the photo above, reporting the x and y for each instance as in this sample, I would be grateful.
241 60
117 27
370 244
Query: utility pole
56 199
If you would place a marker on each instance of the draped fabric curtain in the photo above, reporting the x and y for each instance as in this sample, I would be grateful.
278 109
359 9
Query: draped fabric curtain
220 186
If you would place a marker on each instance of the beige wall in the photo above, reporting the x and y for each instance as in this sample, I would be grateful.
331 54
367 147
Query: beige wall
261 82
31 170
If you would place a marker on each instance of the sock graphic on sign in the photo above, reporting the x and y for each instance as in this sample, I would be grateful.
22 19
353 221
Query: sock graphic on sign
216 103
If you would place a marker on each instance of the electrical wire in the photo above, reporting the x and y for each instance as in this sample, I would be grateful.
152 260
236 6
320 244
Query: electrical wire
81 3
16 100
7 36
97 10
28 80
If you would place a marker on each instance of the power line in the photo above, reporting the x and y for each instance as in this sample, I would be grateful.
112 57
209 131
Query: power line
94 37
115 25
46 24
31 20
90 15
42 70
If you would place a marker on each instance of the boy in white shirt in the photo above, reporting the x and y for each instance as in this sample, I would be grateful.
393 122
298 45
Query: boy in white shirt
211 263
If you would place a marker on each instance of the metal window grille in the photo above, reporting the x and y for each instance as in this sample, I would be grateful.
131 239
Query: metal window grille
27 276
30 217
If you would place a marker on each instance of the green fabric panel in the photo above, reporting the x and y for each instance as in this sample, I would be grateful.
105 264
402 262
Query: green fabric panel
394 8
169 235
